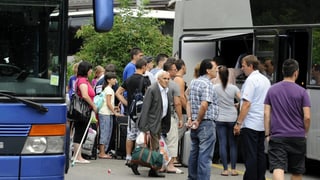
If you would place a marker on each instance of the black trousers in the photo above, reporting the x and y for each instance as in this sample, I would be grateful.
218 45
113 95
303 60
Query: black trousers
253 153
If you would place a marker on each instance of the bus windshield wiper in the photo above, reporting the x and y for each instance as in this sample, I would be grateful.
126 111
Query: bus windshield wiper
32 104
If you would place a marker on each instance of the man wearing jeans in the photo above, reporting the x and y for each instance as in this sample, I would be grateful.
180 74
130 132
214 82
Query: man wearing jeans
204 111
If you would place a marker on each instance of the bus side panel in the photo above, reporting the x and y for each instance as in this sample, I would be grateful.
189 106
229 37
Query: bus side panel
9 167
42 167
313 140
194 52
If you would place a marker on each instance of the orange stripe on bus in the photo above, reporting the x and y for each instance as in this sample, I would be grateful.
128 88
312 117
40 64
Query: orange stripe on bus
48 130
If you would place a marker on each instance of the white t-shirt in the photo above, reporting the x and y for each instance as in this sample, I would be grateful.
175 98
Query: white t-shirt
104 109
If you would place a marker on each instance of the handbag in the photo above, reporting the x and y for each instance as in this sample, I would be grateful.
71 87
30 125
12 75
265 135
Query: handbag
147 157
79 109
140 139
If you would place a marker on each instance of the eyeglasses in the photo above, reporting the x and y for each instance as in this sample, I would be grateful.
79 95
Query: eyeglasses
166 79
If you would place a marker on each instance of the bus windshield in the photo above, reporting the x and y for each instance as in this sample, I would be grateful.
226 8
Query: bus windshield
31 57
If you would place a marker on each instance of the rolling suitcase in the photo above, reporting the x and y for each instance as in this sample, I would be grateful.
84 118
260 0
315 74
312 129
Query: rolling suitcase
121 136
186 147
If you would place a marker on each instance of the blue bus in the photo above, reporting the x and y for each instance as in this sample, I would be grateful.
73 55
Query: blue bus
33 131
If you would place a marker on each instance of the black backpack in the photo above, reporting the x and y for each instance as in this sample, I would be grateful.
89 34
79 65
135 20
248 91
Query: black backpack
137 102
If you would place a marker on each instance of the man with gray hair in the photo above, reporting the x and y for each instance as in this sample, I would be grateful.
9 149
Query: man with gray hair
155 114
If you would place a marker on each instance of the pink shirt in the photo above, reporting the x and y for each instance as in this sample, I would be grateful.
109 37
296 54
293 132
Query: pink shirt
84 80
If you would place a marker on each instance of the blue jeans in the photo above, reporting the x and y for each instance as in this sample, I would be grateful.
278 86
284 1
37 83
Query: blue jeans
105 125
225 136
202 146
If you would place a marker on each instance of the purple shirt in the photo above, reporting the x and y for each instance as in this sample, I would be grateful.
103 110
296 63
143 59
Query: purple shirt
287 100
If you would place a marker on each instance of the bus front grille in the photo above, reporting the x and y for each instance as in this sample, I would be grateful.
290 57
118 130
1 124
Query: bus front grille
14 130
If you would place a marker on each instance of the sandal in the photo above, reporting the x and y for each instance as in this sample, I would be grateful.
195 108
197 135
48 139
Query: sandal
225 173
234 173
107 156
177 171
84 161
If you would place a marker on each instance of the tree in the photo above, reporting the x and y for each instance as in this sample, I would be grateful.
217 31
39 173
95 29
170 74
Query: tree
128 31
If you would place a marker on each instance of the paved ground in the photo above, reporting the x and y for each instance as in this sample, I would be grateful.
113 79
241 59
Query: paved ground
98 170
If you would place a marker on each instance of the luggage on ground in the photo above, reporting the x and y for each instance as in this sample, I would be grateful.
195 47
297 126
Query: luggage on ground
121 136
186 147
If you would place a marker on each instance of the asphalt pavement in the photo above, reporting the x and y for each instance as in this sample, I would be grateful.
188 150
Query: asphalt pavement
102 169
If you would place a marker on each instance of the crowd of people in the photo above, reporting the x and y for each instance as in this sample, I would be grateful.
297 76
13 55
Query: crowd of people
212 107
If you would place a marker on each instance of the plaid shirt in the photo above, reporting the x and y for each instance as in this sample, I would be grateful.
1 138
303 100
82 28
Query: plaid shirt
202 89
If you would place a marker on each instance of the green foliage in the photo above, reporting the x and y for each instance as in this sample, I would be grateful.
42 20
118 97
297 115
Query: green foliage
127 32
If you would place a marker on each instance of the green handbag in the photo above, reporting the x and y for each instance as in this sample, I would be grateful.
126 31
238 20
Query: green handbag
146 157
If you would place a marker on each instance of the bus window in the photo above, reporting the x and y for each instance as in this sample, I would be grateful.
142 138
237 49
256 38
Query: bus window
265 45
29 50
315 75
315 64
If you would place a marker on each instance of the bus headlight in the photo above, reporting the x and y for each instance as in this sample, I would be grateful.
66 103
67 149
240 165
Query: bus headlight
44 145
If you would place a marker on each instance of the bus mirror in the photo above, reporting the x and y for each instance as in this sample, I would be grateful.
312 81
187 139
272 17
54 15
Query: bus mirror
103 15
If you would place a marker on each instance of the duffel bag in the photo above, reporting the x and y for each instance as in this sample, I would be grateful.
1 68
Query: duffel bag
145 157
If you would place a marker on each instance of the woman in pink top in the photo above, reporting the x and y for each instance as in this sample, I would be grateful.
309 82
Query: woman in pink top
84 90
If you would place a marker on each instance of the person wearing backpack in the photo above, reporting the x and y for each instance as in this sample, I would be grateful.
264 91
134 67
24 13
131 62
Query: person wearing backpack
106 114
131 85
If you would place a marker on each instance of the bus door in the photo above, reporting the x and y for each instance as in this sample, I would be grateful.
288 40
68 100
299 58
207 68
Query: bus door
301 43
295 44
280 45
229 44
265 45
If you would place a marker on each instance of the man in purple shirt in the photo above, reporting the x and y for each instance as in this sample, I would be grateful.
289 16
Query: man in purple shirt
287 121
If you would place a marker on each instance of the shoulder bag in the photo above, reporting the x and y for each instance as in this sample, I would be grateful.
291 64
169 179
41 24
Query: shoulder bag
79 109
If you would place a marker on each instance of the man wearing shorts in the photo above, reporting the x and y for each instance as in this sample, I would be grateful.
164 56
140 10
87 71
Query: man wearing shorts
130 85
287 121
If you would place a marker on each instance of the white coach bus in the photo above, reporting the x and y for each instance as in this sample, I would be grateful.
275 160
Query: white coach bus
272 29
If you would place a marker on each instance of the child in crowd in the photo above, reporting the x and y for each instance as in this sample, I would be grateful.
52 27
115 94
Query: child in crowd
106 115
